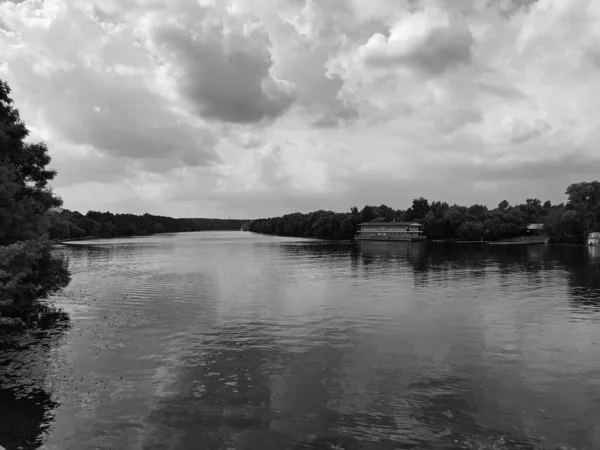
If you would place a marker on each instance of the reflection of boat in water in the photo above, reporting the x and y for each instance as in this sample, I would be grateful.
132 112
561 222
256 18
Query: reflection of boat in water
594 239
397 248
520 242
594 252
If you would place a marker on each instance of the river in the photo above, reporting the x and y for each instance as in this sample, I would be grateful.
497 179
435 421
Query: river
231 340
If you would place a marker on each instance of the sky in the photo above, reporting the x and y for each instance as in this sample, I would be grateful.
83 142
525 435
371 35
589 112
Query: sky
255 108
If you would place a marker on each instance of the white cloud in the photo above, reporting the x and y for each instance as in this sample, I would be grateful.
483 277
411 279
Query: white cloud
432 40
256 107
91 85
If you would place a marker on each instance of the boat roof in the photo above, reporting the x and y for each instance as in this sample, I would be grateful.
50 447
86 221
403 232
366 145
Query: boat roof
533 226
387 224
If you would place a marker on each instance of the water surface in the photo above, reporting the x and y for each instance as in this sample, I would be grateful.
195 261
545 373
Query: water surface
229 340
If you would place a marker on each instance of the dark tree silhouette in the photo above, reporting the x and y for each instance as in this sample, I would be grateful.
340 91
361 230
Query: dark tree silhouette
28 270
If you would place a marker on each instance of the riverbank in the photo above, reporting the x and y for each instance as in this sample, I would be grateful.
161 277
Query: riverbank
44 315
89 238
86 238
519 240
523 240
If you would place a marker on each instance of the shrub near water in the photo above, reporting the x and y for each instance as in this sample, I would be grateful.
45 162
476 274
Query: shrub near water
29 271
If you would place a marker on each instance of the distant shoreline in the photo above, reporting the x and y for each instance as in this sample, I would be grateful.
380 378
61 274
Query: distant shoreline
88 238
526 240
529 240
85 238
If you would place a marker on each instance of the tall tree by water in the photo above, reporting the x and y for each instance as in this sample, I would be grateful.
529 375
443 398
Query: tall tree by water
29 271
584 199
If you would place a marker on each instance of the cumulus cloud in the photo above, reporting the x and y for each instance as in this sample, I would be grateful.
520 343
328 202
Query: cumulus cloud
221 63
92 84
304 36
254 108
432 40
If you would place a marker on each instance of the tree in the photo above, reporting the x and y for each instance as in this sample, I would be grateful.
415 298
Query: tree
554 225
28 270
348 227
366 214
503 205
420 208
455 217
584 199
438 209
385 212
477 211
430 226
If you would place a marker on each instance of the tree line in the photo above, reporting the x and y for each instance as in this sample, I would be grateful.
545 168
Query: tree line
568 222
72 224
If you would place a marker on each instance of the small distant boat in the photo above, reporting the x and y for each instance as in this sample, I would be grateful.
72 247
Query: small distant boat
594 239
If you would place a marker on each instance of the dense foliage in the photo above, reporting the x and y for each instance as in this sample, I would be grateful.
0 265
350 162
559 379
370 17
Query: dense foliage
571 223
71 224
28 272
568 223
28 269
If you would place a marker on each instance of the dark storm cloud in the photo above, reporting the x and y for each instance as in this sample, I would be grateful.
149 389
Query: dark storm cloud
225 76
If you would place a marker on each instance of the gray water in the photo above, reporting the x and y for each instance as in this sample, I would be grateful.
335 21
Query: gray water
229 340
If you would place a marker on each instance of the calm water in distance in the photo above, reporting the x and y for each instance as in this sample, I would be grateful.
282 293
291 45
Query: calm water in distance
231 340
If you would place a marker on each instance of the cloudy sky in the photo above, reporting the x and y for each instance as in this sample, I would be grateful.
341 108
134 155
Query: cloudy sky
249 108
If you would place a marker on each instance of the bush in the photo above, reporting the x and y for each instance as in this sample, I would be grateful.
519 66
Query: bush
29 273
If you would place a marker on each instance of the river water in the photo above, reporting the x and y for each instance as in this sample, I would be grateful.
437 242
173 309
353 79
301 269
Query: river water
230 340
